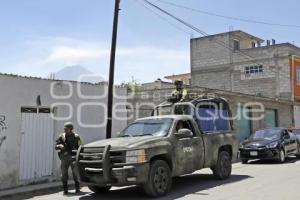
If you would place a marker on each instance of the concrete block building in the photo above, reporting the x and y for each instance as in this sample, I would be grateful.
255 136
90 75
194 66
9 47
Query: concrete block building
185 78
237 61
275 112
157 85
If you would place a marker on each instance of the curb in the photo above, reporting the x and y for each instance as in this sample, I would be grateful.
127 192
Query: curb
32 188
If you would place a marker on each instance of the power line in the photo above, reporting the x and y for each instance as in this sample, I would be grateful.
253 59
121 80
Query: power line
205 34
163 18
228 17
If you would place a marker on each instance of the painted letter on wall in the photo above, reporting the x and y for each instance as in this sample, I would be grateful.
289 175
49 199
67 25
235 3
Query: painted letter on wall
3 128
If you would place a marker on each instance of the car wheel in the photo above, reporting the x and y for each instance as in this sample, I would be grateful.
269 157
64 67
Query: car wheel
281 156
244 161
223 168
99 190
298 152
159 179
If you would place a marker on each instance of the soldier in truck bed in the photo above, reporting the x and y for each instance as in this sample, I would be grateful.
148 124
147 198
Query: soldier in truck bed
65 144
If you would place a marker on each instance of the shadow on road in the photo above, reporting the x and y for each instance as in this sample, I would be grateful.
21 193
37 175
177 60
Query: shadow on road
182 186
288 160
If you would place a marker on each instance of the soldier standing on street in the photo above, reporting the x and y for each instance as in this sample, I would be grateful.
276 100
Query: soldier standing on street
66 143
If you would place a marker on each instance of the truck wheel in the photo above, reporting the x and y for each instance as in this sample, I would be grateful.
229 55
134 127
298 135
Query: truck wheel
159 179
223 168
99 190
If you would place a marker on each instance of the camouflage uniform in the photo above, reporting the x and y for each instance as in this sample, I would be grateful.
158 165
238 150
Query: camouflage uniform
70 142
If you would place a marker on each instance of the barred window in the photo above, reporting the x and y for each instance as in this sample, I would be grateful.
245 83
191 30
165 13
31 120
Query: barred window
258 69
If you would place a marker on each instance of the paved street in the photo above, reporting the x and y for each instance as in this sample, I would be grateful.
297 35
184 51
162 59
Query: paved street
256 180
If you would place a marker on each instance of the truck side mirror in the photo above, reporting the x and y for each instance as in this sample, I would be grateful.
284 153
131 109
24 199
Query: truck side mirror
184 133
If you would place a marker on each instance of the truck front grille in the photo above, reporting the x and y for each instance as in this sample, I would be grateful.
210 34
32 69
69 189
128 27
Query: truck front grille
99 159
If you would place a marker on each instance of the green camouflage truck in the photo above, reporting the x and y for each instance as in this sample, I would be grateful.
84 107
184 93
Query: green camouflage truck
174 141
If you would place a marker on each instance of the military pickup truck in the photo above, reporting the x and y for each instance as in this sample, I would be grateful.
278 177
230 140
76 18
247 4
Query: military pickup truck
152 150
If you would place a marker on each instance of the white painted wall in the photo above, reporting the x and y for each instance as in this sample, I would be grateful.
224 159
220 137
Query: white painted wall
17 92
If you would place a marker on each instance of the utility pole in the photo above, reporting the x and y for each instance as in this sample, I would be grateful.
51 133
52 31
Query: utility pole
112 70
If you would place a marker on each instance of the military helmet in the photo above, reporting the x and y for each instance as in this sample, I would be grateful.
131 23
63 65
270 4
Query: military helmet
69 125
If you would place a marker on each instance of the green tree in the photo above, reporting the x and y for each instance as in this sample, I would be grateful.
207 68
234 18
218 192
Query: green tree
132 86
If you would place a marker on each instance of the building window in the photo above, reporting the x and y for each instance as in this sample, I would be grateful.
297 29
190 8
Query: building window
35 110
236 45
298 75
257 69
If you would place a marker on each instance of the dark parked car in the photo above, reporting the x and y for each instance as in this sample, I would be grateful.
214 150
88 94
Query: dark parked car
270 143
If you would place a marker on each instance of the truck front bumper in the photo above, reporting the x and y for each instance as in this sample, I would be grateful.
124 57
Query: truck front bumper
114 174
122 176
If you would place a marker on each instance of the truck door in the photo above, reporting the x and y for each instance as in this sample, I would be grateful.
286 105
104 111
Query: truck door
187 149
198 145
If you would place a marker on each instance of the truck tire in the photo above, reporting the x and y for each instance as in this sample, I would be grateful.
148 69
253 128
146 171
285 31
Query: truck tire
99 190
159 179
223 168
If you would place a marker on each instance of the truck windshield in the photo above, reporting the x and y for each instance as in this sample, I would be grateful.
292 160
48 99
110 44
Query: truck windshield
152 127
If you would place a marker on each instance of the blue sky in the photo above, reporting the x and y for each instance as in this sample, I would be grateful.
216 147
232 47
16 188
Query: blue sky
38 37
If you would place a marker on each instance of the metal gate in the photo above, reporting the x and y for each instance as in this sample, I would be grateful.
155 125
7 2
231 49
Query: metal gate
244 124
270 118
37 145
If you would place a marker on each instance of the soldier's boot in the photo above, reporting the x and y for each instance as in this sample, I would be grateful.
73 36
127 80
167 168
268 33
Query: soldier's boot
65 186
77 187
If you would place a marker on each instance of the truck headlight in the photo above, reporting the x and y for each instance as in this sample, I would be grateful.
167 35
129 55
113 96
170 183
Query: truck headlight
136 156
272 145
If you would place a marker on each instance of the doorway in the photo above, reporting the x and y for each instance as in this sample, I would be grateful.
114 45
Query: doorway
37 145
271 118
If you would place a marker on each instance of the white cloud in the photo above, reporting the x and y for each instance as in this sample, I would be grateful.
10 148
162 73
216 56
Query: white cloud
68 53
145 63
90 51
